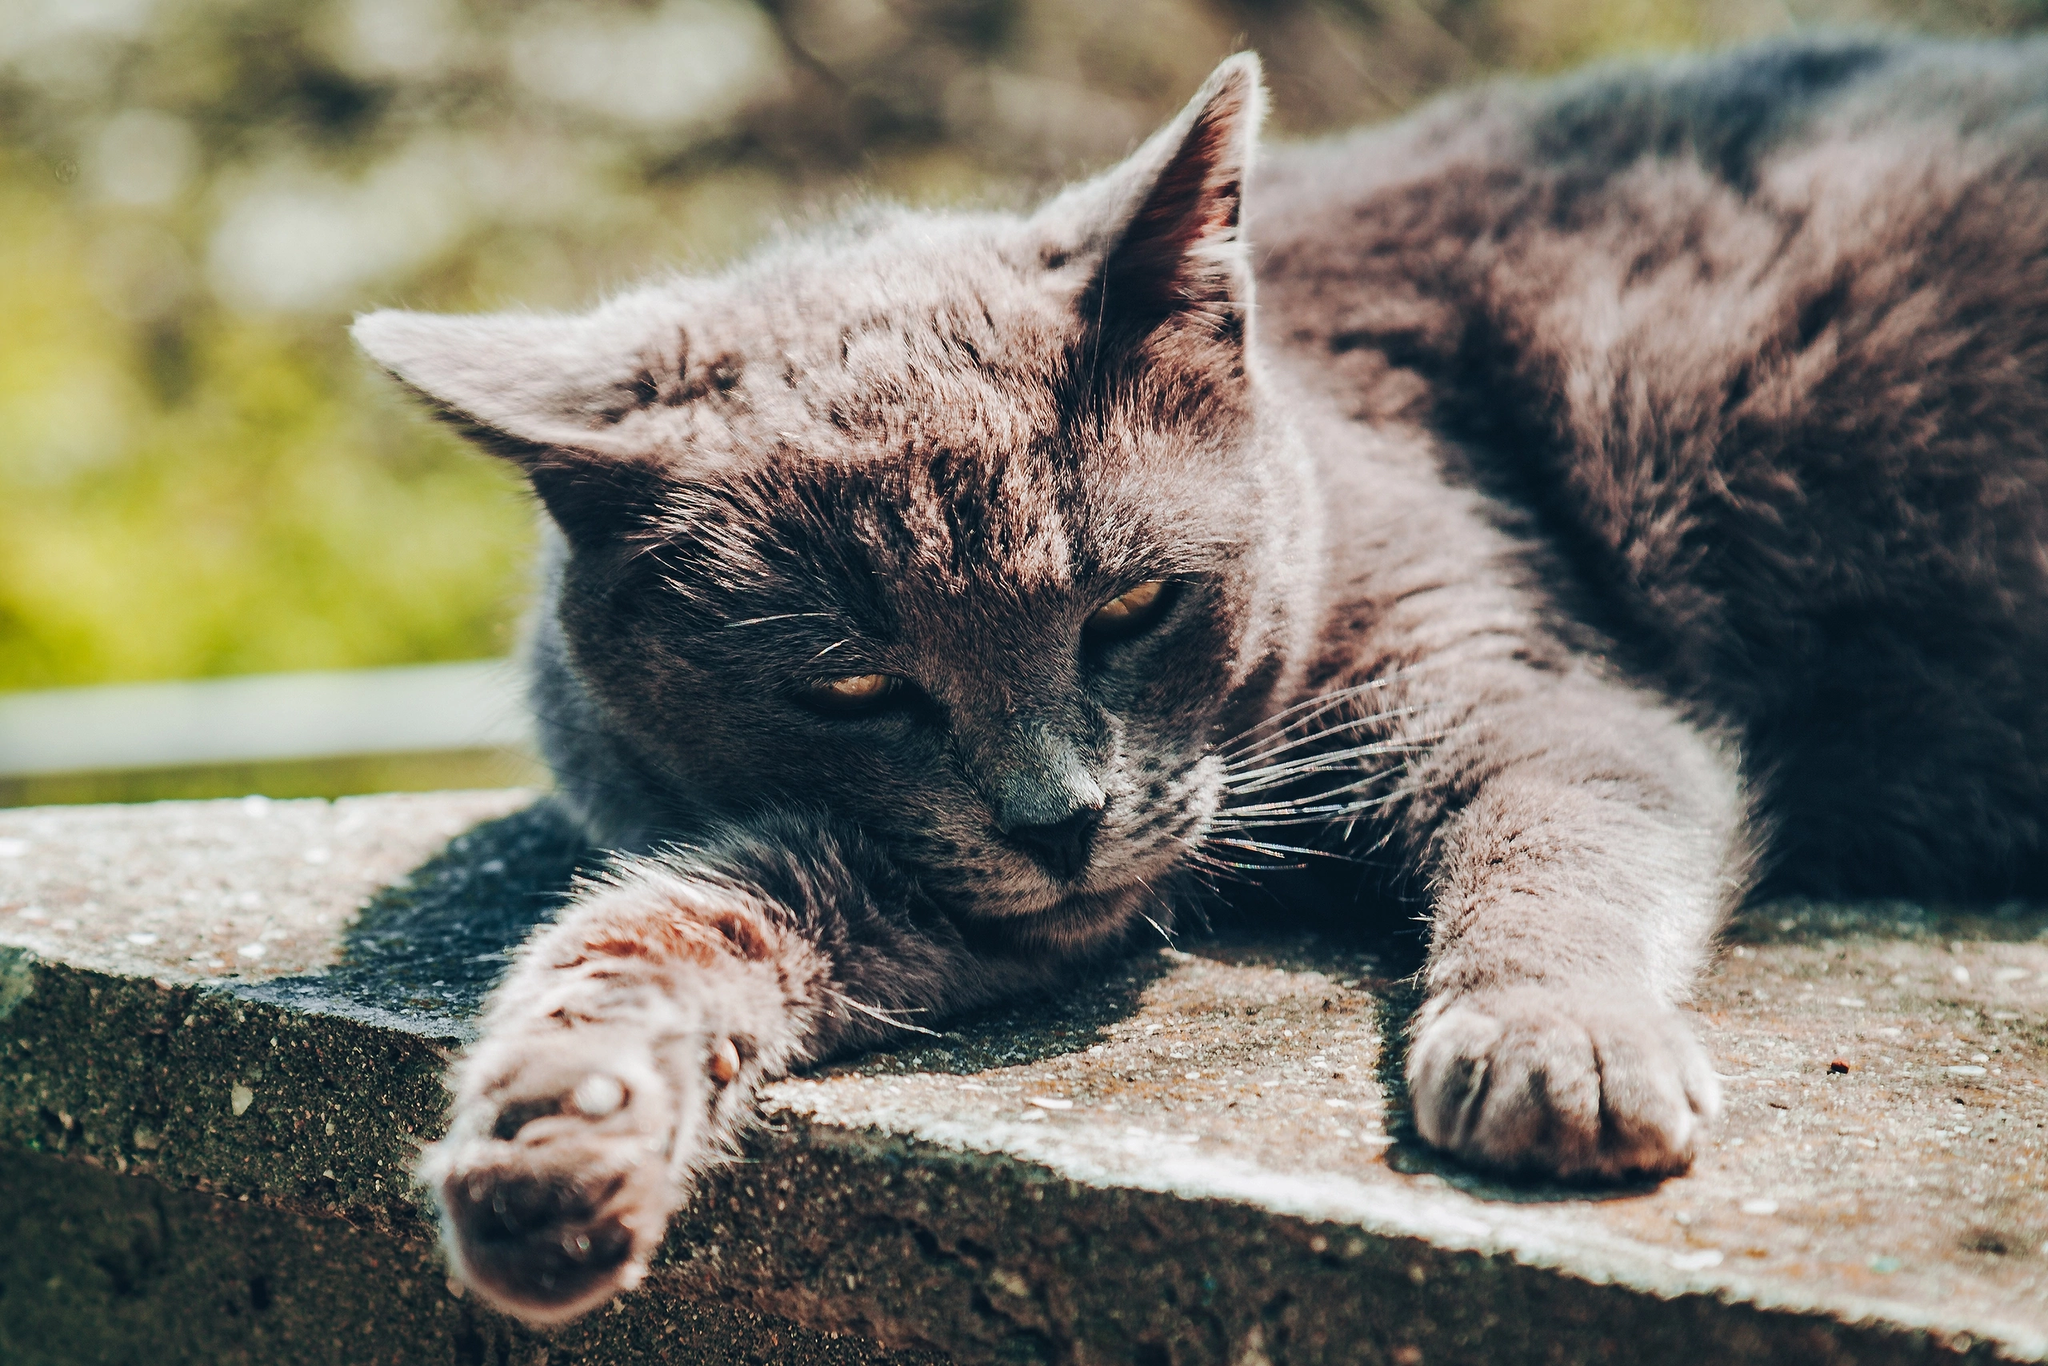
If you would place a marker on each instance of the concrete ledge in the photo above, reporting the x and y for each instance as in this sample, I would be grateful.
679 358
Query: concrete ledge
104 1268
1201 1157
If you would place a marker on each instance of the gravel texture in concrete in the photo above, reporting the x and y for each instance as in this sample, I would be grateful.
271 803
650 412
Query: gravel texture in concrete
103 1268
1200 1156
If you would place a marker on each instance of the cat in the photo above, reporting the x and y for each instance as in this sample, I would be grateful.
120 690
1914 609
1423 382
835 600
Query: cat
1582 502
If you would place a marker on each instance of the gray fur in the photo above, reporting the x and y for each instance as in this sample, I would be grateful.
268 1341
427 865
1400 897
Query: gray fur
1619 489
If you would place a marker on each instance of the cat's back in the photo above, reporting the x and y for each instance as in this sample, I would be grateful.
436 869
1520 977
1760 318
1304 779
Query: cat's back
1729 323
1386 243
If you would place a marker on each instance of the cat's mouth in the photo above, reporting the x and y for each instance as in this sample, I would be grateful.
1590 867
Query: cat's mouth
1082 922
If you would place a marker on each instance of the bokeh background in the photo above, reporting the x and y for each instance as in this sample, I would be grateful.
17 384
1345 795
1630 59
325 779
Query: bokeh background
199 478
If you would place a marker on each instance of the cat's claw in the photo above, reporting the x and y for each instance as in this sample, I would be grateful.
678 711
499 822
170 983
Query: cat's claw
555 1180
1536 1081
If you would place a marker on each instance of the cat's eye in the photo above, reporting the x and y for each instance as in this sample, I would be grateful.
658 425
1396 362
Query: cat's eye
1129 612
853 693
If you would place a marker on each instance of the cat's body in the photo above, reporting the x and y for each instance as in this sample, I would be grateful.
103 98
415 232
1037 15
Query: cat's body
1599 463
1760 346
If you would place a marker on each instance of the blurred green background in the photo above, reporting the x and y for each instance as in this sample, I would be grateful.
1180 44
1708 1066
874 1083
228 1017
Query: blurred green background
197 475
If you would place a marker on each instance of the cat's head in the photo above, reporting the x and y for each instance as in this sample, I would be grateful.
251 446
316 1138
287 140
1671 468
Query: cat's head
964 527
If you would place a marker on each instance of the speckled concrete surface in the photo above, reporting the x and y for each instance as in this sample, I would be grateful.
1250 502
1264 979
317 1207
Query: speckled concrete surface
1201 1156
100 1268
240 890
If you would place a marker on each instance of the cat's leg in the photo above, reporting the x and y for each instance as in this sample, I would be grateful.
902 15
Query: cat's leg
611 1063
619 1057
1580 846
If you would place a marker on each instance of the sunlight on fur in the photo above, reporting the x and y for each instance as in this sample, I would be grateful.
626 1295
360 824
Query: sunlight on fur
1626 491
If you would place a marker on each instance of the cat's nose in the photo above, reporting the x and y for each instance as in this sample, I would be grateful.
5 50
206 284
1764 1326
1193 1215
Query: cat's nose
1063 847
1044 799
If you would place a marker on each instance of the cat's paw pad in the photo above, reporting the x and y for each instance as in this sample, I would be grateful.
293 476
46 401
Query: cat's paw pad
555 1182
1536 1081
543 1244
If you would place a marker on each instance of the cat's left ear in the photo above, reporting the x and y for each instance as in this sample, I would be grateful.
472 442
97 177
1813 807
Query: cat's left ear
1163 231
564 397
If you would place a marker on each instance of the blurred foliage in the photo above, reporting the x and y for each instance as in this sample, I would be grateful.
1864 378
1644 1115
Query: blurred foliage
198 477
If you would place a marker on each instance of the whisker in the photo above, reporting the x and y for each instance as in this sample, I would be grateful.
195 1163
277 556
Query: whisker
1164 933
1306 710
1260 868
1254 764
1286 742
878 1013
1278 775
1349 690
1270 849
1270 797
1210 863
1314 804
779 616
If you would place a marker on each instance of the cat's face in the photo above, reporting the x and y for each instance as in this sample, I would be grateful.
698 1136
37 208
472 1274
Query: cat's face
963 529
998 643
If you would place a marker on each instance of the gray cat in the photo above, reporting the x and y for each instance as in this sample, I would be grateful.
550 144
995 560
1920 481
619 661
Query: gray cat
1624 490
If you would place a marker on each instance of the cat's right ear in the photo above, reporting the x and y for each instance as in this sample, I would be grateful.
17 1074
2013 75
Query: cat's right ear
1162 234
553 394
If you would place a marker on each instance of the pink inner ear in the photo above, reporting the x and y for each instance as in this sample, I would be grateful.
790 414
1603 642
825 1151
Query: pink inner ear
1178 249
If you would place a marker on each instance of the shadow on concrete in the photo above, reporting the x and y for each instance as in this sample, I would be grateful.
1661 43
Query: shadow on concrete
1019 1032
1262 926
1377 945
428 950
1799 920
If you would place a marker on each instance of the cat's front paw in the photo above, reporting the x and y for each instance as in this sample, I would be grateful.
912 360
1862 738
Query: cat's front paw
557 1177
1535 1081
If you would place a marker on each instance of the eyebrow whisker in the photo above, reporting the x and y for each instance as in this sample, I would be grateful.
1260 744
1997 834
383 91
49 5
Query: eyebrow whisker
780 616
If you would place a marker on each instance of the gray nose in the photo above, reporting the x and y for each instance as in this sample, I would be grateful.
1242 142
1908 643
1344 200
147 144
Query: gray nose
1045 800
1063 847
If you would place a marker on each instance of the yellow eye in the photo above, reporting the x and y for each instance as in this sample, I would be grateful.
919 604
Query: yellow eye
855 690
1130 612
